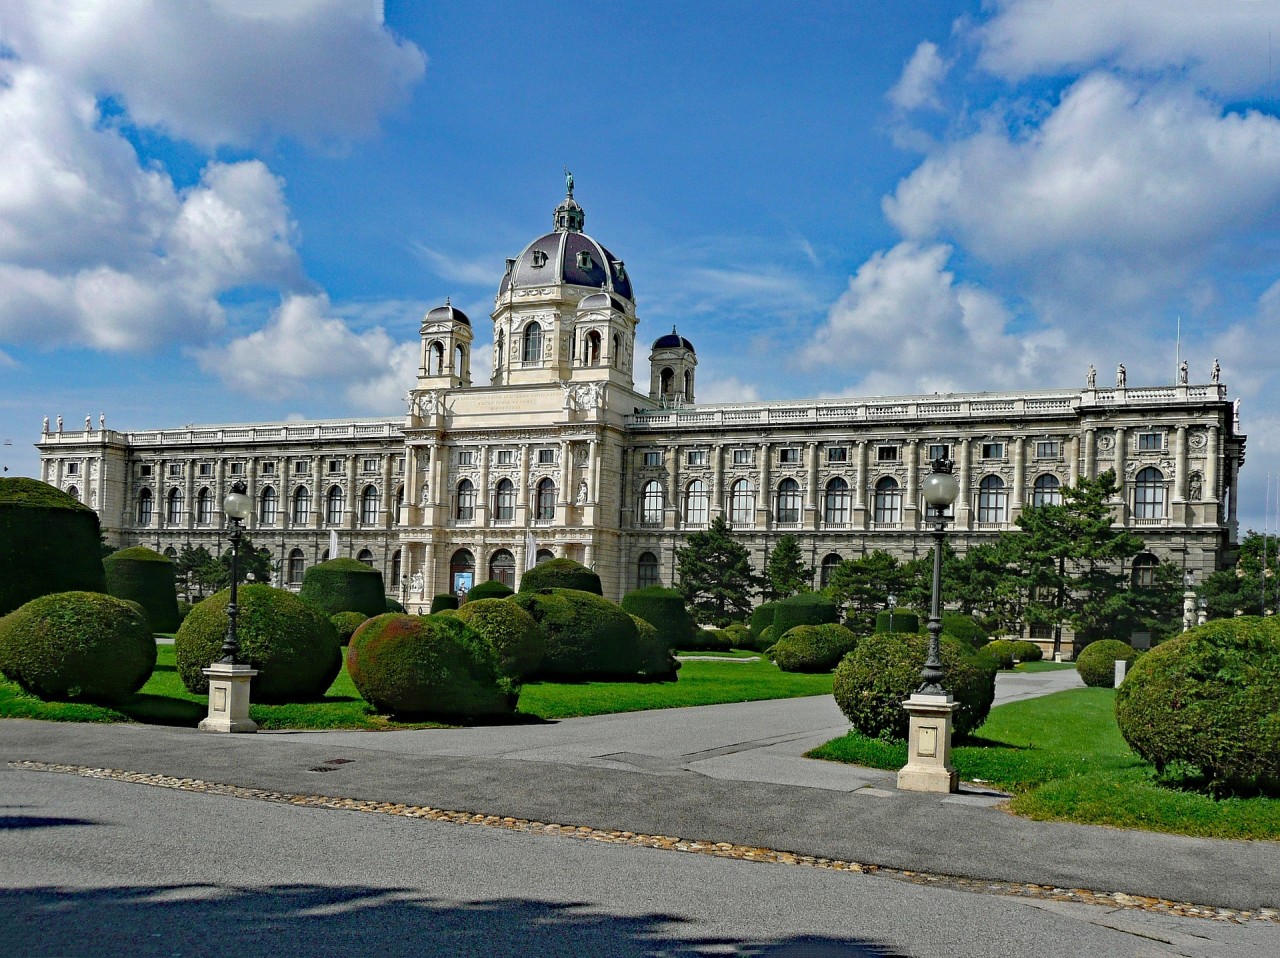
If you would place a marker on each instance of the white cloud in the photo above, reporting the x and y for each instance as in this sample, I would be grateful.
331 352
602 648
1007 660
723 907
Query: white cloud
917 87
723 389
226 71
1222 45
476 272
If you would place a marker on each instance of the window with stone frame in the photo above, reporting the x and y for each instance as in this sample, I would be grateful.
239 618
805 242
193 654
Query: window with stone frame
788 501
696 503
651 503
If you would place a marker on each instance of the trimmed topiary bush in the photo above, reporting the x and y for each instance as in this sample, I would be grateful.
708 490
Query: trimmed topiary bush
765 640
665 610
512 633
738 634
394 605
587 636
292 644
346 623
761 619
1002 652
184 608
1028 651
1097 663
709 640
561 574
49 542
873 680
492 589
657 664
899 620
344 585
1209 699
808 608
411 665
443 601
77 646
963 627
813 648
146 577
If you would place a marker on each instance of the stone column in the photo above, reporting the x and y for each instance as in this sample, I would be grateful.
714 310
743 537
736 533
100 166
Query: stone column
1179 512
964 498
764 507
1019 478
1211 467
251 482
812 513
522 488
910 508
353 493
189 501
387 503
717 482
318 492
483 493
672 510
593 487
1073 460
1090 452
565 495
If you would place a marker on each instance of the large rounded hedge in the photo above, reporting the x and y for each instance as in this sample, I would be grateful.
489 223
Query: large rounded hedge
873 681
512 633
346 623
899 620
712 640
146 577
561 574
491 589
762 618
292 644
444 601
1001 651
808 608
665 610
77 646
813 648
1209 698
49 542
1097 663
656 661
587 636
1028 651
344 585
964 627
427 665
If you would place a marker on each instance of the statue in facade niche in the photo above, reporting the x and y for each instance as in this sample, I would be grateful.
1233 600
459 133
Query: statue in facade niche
1196 488
416 583
1183 373
1091 380
1121 376
582 493
1216 376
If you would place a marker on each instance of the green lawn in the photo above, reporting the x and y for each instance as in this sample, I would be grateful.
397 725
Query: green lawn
1044 666
1063 758
731 654
164 700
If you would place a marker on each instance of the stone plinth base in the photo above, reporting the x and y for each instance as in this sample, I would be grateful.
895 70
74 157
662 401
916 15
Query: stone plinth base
928 767
229 699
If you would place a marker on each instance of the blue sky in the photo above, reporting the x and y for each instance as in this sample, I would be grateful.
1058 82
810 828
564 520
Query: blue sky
222 210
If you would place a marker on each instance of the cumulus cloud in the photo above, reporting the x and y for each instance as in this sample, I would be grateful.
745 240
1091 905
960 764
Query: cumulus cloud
226 71
724 389
476 272
917 87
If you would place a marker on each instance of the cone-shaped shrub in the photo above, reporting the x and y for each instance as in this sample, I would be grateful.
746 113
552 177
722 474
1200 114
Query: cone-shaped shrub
1097 663
492 589
413 665
292 645
343 585
587 636
49 542
511 632
146 577
561 574
813 648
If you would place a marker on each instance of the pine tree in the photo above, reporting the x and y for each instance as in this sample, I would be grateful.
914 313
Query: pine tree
862 587
715 575
785 572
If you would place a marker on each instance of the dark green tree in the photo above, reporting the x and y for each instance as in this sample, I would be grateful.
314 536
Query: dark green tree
195 571
1239 588
715 575
785 573
253 559
862 586
985 583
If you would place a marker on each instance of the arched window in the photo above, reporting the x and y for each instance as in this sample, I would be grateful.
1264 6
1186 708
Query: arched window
268 506
666 380
324 556
399 504
365 556
460 361
1047 491
651 503
466 501
204 506
1144 570
647 570
395 569
544 555
788 509
993 500
591 355
615 356
297 563
462 571
173 507
688 385
170 552
334 503
888 501
369 506
144 507
73 492
696 503
1148 494
742 503
435 358
504 502
829 563
836 504
532 344
545 500
301 505
502 567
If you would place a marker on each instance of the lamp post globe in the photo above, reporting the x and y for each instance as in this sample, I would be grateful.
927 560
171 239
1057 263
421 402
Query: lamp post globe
940 491
236 506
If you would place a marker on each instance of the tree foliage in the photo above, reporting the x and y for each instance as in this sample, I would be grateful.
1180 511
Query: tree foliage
1240 589
715 575
862 586
785 573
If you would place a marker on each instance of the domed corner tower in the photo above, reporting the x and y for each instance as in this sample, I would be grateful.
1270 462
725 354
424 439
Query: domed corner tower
445 361
565 311
671 363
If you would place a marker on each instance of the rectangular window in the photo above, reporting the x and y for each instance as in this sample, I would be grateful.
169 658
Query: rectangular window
399 465
886 453
506 457
1047 449
369 465
268 468
237 469
653 458
335 466
789 455
837 454
993 450
144 471
466 457
73 468
742 457
1150 442
696 457
939 450
175 468
301 466
206 470
546 457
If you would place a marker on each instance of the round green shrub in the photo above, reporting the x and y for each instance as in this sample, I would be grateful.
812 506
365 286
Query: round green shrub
813 648
1028 651
708 640
657 664
587 636
873 681
1097 663
77 646
410 665
738 634
292 644
665 610
808 608
1001 651
492 589
765 640
394 605
512 633
145 576
344 585
346 623
49 542
443 601
561 574
898 620
761 619
1209 699
964 627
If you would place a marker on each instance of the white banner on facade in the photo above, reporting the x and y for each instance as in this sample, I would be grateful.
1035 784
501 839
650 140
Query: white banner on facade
530 550
333 543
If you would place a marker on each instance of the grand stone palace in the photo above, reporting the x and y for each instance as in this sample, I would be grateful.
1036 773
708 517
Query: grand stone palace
559 455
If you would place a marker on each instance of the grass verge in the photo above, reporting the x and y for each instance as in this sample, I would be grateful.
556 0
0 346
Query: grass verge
1044 667
1063 758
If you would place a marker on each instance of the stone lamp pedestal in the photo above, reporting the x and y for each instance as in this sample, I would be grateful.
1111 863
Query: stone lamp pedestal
229 698
928 767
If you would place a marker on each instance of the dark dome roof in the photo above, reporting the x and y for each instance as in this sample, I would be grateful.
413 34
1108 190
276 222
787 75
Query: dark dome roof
673 341
601 301
448 313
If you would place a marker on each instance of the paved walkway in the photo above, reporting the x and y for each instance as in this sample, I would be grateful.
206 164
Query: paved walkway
732 773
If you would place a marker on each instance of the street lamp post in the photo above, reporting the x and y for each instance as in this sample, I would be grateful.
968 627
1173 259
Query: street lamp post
229 677
930 709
